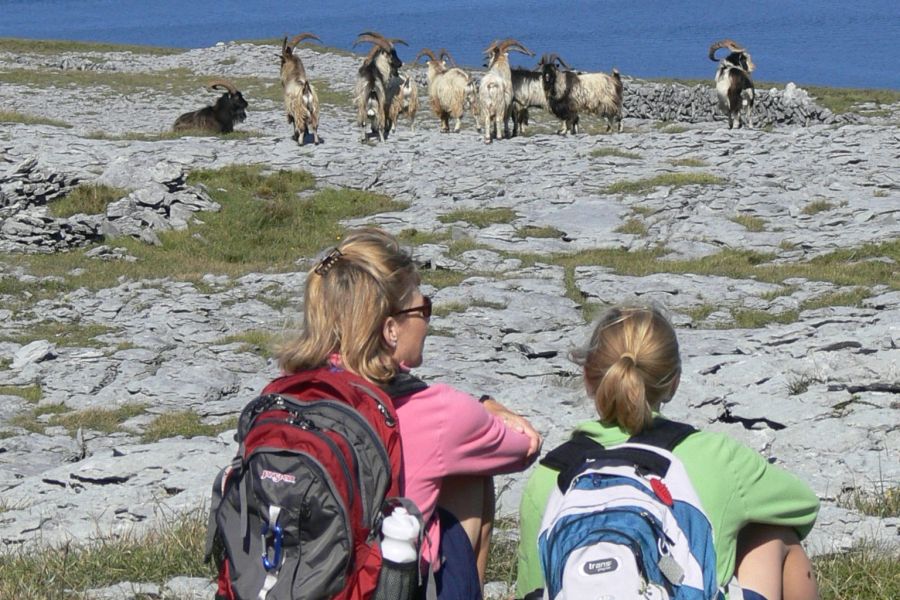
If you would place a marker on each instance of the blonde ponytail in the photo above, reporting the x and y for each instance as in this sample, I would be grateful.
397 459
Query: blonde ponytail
631 366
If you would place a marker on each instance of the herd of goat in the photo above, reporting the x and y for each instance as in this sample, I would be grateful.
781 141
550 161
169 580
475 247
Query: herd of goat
383 94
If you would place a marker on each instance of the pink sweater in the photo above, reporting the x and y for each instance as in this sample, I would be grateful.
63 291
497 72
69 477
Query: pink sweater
444 431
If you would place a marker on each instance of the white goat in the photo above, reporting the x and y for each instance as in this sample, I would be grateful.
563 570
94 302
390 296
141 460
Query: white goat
495 90
569 94
446 89
734 87
300 100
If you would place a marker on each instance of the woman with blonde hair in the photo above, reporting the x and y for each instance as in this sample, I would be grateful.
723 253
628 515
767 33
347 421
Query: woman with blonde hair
758 512
364 312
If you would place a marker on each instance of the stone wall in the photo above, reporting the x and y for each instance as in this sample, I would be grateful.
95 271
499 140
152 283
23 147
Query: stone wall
167 202
695 104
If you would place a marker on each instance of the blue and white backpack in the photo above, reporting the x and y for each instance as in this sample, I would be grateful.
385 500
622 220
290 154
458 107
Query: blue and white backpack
626 523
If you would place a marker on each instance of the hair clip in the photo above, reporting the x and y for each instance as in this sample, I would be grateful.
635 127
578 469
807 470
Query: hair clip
326 263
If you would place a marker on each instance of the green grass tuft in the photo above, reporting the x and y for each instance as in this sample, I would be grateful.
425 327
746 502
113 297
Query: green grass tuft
667 179
868 571
87 198
817 206
749 222
480 217
76 334
29 393
98 419
533 231
616 152
688 162
8 116
28 46
186 424
67 570
633 227
257 341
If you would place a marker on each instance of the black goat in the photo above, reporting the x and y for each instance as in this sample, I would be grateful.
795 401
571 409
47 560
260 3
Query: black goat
230 108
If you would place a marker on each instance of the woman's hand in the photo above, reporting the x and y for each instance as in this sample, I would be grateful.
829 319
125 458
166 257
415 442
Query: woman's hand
516 422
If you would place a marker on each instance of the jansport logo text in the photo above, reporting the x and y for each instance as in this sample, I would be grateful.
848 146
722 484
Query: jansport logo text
277 477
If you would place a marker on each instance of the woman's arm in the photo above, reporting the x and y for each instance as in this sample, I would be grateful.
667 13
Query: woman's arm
514 421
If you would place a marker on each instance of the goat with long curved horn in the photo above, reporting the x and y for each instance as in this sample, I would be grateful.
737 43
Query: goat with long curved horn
734 88
229 109
301 103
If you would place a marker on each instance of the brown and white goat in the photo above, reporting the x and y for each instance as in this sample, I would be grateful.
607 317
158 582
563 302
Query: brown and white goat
229 109
403 92
375 84
300 100
569 94
495 90
446 89
734 87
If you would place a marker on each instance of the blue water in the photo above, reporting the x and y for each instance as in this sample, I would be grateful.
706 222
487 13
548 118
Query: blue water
843 43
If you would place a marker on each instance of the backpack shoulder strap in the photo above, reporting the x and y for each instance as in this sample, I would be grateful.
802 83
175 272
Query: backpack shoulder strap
571 453
404 384
663 434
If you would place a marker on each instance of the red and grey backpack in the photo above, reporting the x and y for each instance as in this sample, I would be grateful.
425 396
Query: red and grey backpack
296 515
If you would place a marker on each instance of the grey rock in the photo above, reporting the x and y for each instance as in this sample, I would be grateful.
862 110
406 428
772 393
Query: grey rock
36 351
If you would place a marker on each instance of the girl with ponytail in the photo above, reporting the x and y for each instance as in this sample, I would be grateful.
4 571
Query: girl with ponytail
758 511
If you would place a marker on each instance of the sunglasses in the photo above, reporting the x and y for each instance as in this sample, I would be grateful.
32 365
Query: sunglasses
424 308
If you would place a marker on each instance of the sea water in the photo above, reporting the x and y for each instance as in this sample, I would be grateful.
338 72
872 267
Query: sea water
813 42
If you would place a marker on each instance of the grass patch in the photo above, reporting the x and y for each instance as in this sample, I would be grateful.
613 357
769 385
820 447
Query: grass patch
799 384
880 193
443 310
9 116
632 227
754 319
749 222
61 334
66 571
700 313
817 206
29 393
263 227
852 297
244 134
98 419
842 100
186 424
26 46
480 217
532 231
415 237
31 421
87 198
444 278
615 152
667 179
867 571
503 560
882 501
257 341
688 162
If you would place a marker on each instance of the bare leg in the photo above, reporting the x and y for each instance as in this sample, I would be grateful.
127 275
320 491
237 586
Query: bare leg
771 561
471 500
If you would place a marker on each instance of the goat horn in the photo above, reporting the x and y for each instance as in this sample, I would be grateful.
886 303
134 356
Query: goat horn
303 36
398 41
511 44
425 52
378 41
491 48
726 43
444 53
224 84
